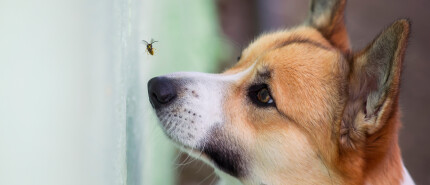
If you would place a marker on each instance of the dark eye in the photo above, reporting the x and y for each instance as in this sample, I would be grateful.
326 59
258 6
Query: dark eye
238 58
264 96
260 95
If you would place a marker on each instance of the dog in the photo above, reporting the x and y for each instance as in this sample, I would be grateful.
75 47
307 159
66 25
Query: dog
299 107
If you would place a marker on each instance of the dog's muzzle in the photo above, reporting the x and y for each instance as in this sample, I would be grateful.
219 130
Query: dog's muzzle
189 107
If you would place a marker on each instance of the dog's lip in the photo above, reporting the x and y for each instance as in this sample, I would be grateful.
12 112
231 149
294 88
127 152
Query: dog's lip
181 145
189 149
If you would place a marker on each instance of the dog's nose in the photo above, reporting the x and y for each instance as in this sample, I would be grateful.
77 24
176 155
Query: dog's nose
161 91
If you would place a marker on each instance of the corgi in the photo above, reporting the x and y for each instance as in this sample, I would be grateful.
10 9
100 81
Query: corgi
299 107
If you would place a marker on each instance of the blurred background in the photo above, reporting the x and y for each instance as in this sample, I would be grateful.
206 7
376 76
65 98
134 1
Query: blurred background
73 99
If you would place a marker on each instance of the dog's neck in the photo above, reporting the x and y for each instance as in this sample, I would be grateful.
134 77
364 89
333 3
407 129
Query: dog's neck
383 163
384 167
390 170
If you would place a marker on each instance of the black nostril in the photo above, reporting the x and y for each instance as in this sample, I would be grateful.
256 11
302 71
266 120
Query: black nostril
161 91
163 97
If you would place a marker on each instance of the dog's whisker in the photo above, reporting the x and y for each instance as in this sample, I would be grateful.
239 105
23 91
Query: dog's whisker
206 178
181 163
186 162
200 168
212 181
170 127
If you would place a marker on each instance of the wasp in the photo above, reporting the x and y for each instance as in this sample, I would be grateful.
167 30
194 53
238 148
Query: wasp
149 47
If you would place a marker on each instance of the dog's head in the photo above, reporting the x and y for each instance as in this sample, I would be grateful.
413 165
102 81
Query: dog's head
296 103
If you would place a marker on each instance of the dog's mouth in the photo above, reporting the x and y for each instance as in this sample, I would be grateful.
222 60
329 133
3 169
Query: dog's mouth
186 128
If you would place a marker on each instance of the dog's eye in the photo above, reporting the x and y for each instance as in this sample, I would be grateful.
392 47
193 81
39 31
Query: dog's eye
260 95
263 96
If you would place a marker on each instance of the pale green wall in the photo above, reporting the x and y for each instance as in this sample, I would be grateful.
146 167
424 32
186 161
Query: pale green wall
189 40
74 107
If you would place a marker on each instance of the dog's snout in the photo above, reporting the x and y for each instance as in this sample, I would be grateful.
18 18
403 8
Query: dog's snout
161 91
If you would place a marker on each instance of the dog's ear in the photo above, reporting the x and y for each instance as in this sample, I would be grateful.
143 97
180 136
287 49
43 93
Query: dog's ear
374 84
327 16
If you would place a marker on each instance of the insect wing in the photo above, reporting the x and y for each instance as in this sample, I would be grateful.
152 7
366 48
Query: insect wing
153 41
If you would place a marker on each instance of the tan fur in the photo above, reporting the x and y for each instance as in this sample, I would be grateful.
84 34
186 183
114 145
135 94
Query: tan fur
310 86
306 89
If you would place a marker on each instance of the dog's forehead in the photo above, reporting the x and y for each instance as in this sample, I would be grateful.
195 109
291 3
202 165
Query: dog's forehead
266 44
298 47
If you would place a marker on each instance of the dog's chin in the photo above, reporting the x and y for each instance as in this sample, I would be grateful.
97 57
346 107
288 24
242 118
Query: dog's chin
186 143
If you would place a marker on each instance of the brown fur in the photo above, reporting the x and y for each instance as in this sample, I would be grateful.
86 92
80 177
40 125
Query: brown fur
321 92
